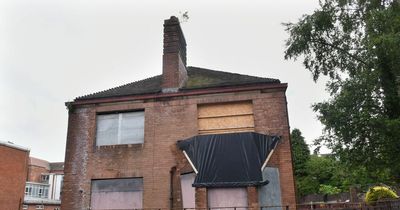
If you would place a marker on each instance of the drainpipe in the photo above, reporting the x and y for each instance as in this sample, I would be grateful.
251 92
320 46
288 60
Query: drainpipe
171 193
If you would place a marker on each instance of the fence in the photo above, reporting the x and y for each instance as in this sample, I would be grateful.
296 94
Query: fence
215 208
384 205
243 208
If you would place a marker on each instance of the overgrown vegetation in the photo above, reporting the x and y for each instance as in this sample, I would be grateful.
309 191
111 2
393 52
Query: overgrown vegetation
356 44
326 174
378 193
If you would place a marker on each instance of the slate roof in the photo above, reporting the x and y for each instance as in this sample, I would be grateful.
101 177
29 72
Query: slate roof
57 166
198 78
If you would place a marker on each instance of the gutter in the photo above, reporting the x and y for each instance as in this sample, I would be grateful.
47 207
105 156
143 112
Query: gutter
278 86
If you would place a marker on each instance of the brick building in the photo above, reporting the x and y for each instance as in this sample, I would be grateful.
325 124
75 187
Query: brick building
122 144
13 173
43 185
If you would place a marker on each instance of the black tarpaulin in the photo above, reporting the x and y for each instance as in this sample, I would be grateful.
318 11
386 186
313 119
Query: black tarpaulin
229 160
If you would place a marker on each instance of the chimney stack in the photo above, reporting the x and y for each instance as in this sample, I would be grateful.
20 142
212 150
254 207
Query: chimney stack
174 56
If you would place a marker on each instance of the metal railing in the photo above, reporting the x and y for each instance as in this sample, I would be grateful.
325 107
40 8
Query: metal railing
242 208
383 205
214 208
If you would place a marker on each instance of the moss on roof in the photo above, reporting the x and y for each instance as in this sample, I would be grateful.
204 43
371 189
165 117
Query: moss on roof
198 78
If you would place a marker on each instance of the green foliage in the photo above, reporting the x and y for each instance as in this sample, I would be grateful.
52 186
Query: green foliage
319 171
328 175
356 43
328 189
378 193
301 152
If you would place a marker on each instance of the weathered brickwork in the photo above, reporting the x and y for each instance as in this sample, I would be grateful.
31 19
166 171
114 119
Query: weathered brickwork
167 120
35 173
45 207
201 198
252 198
13 174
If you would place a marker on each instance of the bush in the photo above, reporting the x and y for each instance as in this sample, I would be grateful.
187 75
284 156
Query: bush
378 193
328 189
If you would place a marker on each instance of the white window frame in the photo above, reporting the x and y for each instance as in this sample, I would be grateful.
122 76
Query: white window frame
36 190
28 189
44 178
119 135
40 206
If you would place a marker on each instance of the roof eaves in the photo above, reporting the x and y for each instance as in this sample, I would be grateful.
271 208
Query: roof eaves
200 91
88 96
12 145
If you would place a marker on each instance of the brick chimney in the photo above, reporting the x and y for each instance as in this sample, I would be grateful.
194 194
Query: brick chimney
174 56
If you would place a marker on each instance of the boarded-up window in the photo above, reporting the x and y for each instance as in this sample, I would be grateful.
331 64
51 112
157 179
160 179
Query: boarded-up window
120 128
117 194
218 198
225 118
188 191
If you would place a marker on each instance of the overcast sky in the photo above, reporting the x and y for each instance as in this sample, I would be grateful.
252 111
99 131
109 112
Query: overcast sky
52 51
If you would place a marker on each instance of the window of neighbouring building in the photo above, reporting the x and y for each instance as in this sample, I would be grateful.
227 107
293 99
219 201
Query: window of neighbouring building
120 128
39 207
36 190
117 194
25 207
227 197
44 178
225 117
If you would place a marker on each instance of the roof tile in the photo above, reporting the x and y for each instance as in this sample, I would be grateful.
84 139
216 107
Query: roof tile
198 78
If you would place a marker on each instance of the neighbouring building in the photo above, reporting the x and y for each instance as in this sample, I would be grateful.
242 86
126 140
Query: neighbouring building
13 173
43 185
190 137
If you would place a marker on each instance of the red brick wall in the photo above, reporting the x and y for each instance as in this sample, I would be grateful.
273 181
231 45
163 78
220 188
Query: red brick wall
35 173
252 198
201 198
13 174
174 56
36 168
46 207
166 121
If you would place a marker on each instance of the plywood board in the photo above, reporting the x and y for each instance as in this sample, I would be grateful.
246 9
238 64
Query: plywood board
225 118
225 109
219 131
229 122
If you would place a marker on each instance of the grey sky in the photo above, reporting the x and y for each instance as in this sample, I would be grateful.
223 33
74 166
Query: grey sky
52 51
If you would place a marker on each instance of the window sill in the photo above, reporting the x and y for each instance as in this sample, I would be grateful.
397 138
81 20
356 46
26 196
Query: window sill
119 146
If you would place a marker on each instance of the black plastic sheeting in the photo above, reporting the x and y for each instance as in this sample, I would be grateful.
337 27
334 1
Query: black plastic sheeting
229 160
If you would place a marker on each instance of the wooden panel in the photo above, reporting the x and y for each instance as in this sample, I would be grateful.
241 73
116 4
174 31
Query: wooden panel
227 197
241 121
225 118
225 109
231 130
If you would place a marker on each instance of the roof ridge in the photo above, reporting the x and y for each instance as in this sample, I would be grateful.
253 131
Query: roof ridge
113 88
219 71
197 78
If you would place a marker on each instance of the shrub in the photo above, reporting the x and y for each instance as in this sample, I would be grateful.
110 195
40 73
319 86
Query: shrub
328 189
378 193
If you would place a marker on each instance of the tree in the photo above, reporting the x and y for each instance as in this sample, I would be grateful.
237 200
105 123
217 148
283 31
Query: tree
301 152
321 173
301 155
356 43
